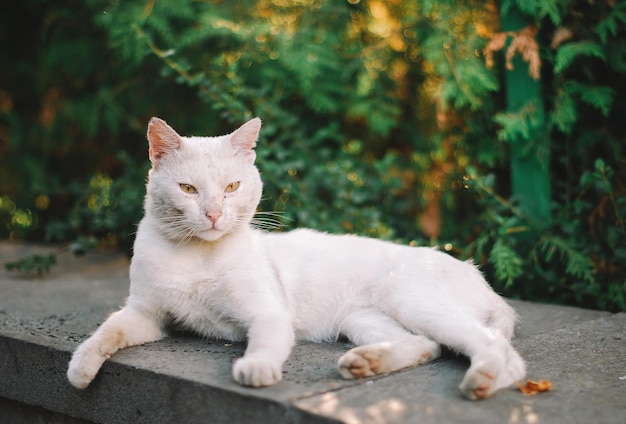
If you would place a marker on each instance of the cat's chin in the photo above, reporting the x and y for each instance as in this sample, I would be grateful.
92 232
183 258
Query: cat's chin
211 235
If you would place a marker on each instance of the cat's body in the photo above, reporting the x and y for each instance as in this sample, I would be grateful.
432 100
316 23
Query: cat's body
198 263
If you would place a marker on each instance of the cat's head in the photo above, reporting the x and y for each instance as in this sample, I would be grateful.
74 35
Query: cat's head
202 187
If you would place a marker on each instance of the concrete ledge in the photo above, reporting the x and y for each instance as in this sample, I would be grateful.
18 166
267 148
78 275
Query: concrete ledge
186 379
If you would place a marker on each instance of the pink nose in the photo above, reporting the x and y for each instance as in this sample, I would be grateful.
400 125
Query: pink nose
213 216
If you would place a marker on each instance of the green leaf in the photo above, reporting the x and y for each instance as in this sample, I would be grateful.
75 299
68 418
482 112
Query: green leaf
576 264
567 53
615 18
507 263
513 126
518 125
537 9
600 97
38 263
564 114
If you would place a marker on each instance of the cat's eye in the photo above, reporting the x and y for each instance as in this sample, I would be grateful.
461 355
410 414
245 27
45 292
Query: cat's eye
188 188
232 187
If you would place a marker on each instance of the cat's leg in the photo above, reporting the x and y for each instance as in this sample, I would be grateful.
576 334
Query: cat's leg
270 339
124 328
495 366
494 362
384 346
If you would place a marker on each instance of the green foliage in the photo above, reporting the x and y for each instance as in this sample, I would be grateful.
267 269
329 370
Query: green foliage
554 9
567 53
577 265
578 257
106 209
507 263
571 267
608 26
37 263
380 118
518 125
565 115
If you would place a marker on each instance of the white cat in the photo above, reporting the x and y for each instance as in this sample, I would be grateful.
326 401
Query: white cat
199 263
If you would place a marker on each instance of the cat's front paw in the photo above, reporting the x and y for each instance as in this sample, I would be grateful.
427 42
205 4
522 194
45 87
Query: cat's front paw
256 372
78 376
83 367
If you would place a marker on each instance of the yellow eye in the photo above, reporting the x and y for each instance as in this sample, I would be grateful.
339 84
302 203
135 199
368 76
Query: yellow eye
188 188
232 187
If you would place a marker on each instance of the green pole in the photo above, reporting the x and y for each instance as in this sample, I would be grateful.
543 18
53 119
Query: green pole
530 178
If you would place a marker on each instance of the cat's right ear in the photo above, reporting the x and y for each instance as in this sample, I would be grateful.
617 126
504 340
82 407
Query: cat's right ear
162 139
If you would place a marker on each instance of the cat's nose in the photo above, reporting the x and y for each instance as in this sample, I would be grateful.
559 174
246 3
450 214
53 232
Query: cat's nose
213 216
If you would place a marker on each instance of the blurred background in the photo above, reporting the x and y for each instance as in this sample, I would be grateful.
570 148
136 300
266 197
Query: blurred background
493 129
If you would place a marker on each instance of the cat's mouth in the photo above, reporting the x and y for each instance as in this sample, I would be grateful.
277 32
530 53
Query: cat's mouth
211 234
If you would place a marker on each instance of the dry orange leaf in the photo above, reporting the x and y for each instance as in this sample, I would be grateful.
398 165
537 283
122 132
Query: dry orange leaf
523 42
534 387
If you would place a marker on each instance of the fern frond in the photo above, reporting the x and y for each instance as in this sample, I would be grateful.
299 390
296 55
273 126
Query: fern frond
539 9
564 114
518 125
567 53
576 264
600 97
609 26
508 265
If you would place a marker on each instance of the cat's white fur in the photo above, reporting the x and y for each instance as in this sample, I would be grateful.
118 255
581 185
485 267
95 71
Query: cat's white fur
199 263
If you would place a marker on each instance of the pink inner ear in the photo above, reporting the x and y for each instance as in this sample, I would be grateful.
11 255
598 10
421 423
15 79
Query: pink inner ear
162 139
245 137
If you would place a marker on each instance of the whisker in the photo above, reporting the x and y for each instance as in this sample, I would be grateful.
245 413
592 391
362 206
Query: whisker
268 220
280 214
265 227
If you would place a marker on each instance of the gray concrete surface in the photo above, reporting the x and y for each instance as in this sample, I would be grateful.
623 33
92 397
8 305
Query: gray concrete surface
184 379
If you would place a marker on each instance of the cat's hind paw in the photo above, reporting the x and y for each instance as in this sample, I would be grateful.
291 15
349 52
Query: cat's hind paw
359 364
479 384
386 357
492 371
256 372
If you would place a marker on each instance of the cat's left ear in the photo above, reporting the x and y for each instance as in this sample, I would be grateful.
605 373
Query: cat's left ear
162 139
245 137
